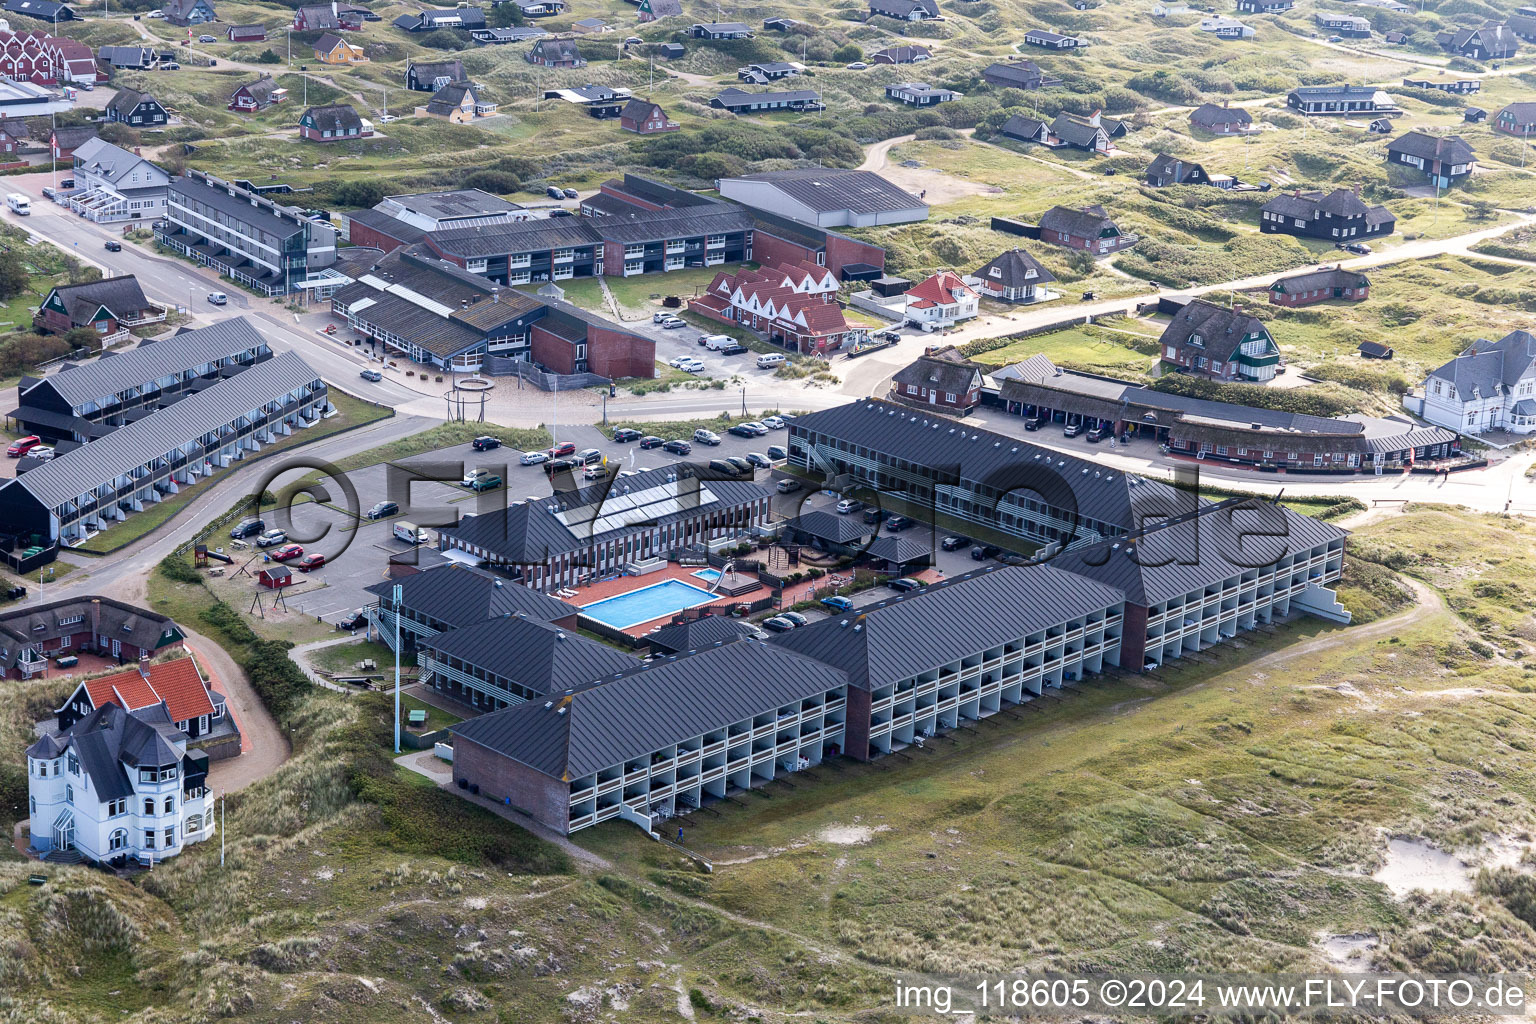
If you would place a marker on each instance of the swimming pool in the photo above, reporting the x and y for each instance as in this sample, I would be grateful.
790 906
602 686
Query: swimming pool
653 602
708 575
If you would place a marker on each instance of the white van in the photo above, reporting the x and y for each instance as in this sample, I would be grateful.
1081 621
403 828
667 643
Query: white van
20 204
716 342
410 533
768 362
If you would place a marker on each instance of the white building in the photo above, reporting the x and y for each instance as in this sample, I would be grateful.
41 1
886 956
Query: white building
112 184
1490 386
117 786
941 301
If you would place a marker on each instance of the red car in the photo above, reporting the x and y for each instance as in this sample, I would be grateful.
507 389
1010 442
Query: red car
563 448
26 444
287 552
311 561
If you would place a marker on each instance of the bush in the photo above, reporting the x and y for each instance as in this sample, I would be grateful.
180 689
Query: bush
495 182
847 54
23 351
269 56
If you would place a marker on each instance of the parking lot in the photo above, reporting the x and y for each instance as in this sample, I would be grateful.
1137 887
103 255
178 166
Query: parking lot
430 494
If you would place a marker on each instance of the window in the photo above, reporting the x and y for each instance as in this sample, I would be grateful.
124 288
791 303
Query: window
33 801
149 806
74 763
949 396
170 837
911 389
170 804
194 824
149 839
116 807
118 840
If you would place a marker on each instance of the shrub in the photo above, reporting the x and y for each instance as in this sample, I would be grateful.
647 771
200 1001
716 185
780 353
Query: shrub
1319 400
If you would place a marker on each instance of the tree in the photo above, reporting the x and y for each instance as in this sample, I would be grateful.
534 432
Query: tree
505 16
13 275
269 56
358 193
847 54
118 134
495 182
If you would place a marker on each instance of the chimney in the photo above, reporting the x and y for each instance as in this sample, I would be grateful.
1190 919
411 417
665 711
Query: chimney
1357 189
1093 118
495 293
95 616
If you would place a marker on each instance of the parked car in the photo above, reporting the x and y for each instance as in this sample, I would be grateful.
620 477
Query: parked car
677 447
206 38
587 456
156 13
373 375
778 624
796 618
67 183
672 323
652 441
982 552
473 475
887 336
732 349
774 423
1034 423
1358 248
724 466
657 318
485 443
742 465
42 453
626 435
247 528
848 505
872 516
271 538
113 245
788 485
287 553
690 365
778 452
836 604
356 620
554 193
169 66
954 543
1071 430
706 436
486 483
533 458
1097 434
596 471
571 193
757 428
313 560
22 445
561 211
554 466
857 65
384 509
760 460
218 298
896 524
742 430
562 448
905 583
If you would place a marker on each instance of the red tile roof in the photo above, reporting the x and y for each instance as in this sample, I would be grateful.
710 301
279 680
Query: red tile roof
938 290
178 683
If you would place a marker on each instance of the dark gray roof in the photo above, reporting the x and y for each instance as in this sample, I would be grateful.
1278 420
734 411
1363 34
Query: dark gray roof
119 294
534 531
261 216
127 448
1316 93
1451 149
1011 269
705 631
1489 368
974 455
1079 131
383 223
126 56
1025 72
37 623
451 96
428 70
126 100
1523 111
1088 222
1222 330
901 549
1174 170
336 117
633 713
903 8
828 190
905 54
938 374
556 49
734 97
880 644
1334 277
110 741
638 110
538 655
1188 553
457 596
839 529
1022 127
1207 114
516 236
101 378
261 89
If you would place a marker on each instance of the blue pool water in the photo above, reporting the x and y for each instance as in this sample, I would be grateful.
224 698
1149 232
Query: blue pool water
652 602
708 575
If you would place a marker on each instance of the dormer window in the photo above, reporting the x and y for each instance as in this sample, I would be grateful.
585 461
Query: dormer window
1195 339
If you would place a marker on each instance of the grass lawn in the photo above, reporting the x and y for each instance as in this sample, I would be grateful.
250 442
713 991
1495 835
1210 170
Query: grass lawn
342 659
351 413
1128 349
437 718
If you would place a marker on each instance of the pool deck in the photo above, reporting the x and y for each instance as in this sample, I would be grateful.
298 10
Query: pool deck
602 589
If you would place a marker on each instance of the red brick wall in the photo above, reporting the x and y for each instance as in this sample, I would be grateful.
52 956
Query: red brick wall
1133 639
856 727
362 234
770 250
621 194
1058 238
620 354
842 251
613 259
500 778
551 350
457 261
